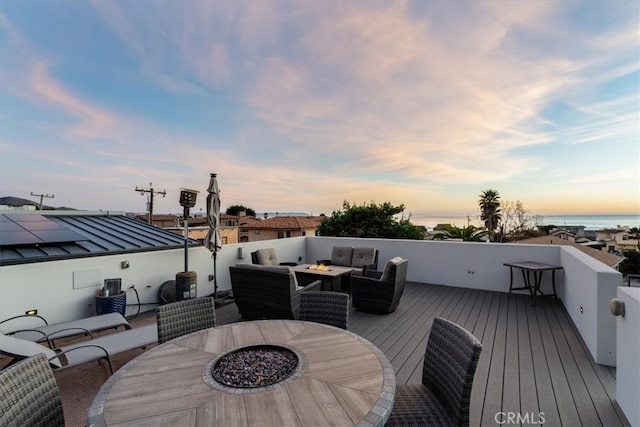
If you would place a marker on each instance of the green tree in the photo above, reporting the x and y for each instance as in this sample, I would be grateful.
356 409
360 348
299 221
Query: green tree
469 233
490 211
370 221
631 263
236 209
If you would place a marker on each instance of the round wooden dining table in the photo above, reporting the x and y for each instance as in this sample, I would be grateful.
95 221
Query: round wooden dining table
341 379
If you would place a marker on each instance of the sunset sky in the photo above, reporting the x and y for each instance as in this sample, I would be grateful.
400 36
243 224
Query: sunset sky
298 106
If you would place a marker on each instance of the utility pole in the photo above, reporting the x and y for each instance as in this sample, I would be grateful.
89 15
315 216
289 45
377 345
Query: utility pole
42 196
152 193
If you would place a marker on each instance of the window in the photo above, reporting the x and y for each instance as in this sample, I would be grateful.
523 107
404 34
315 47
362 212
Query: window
280 234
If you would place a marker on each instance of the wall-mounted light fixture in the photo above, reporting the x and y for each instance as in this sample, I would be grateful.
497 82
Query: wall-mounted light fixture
617 307
124 264
240 253
33 312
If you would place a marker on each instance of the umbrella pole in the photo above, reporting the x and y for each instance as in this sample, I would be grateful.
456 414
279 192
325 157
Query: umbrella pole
215 278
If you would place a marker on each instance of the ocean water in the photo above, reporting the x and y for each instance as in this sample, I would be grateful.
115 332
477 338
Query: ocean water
590 222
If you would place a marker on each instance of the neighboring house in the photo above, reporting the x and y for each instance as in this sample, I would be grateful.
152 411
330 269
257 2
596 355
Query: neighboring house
575 230
162 221
279 227
617 240
609 259
564 234
199 227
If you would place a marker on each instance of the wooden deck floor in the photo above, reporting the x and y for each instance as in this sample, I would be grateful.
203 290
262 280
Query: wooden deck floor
533 363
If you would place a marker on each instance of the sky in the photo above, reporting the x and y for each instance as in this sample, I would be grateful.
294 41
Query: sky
299 106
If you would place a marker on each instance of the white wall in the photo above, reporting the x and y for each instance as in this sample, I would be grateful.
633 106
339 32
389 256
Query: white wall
584 282
588 287
49 286
461 264
628 369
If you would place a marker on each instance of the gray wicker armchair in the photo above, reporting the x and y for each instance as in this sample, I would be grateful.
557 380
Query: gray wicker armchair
267 291
380 292
331 308
444 396
183 317
30 395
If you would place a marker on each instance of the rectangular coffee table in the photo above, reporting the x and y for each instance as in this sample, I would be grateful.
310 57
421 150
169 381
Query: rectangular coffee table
330 279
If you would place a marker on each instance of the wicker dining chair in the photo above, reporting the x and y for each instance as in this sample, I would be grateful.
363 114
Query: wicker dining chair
30 395
183 317
331 308
444 396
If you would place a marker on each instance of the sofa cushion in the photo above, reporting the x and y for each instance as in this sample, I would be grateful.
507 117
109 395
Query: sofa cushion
386 274
362 257
267 257
341 255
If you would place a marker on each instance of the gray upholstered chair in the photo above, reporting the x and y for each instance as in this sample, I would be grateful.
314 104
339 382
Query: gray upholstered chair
30 395
183 317
444 396
267 256
331 308
267 291
380 291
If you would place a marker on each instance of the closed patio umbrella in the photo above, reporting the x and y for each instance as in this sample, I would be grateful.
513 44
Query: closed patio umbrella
212 241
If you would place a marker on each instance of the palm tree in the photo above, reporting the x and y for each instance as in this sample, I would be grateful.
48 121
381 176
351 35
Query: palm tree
490 210
469 233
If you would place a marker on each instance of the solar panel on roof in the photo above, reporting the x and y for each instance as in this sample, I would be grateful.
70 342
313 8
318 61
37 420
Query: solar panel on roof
7 226
26 229
18 238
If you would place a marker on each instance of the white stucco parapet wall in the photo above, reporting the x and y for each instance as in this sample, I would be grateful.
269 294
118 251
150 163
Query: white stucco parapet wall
628 369
584 285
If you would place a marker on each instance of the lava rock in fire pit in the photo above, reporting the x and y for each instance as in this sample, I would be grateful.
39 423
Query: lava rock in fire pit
255 366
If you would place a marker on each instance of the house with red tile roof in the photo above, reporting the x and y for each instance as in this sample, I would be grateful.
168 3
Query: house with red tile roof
279 227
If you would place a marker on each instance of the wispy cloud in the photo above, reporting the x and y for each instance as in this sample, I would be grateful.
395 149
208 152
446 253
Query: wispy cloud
407 98
94 122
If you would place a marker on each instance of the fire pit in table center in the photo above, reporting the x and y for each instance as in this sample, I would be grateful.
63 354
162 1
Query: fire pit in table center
319 267
255 366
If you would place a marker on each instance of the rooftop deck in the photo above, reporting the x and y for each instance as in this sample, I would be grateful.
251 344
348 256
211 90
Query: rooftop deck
533 363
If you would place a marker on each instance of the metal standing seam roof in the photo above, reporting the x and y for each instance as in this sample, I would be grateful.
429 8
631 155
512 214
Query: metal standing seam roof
96 234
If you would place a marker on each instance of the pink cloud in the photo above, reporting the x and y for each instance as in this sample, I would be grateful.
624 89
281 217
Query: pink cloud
93 122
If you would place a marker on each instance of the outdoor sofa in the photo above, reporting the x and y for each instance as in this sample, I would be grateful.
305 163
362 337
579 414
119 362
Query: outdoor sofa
362 258
267 291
